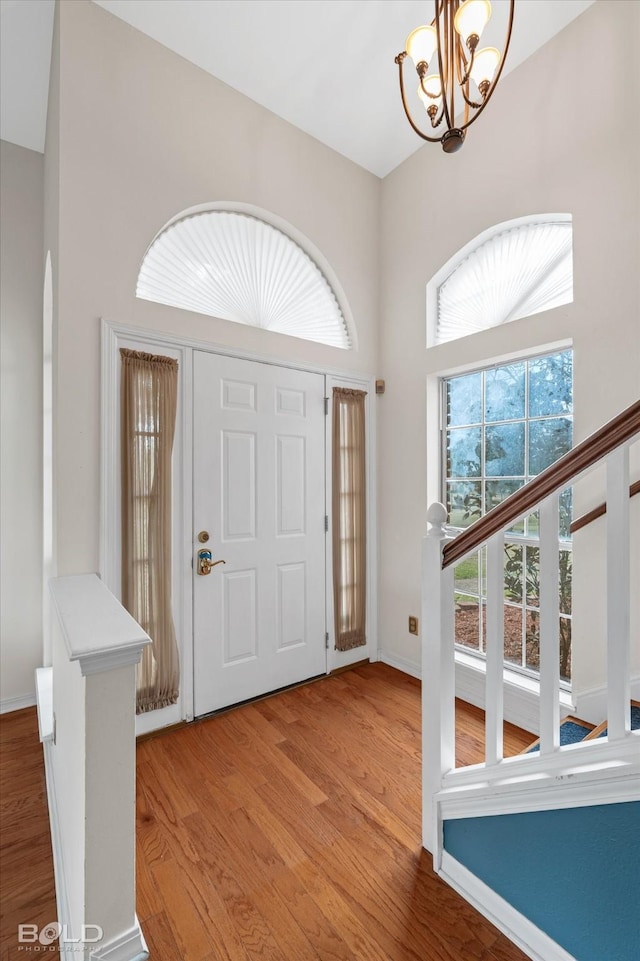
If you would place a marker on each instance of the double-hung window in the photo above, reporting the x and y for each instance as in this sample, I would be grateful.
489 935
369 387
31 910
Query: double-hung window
502 426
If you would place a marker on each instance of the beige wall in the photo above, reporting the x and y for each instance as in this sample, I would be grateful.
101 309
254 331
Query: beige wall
21 280
551 140
144 135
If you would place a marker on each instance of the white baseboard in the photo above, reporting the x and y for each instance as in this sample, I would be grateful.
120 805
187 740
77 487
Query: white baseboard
535 943
407 667
521 707
591 705
60 877
129 946
8 704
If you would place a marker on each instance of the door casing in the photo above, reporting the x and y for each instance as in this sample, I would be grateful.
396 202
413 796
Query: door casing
114 336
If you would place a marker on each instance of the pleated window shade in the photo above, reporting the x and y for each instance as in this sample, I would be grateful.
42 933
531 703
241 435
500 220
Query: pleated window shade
148 413
240 268
349 492
515 273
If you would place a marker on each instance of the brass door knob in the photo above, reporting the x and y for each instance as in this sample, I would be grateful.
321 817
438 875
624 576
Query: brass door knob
205 562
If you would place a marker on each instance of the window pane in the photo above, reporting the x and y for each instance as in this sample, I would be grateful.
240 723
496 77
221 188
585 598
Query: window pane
551 385
548 440
463 452
466 575
533 641
464 399
513 634
467 625
504 450
532 576
565 507
565 649
464 500
513 574
496 491
565 576
504 392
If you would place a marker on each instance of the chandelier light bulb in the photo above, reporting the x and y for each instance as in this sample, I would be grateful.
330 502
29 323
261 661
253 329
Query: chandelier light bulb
471 19
421 44
484 67
451 45
433 88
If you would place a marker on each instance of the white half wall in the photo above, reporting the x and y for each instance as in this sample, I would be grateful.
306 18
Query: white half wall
21 286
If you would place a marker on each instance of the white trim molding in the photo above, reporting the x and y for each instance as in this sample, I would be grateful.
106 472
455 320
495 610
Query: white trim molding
57 847
401 664
98 632
521 694
591 705
8 704
44 694
128 946
535 943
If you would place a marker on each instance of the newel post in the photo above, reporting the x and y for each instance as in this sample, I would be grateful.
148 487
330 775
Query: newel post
438 675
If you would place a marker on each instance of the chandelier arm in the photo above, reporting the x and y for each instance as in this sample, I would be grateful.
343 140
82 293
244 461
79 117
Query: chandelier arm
399 60
468 66
441 58
494 82
461 63
471 103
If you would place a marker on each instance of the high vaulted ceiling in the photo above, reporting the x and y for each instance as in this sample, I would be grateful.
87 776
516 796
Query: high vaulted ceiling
326 66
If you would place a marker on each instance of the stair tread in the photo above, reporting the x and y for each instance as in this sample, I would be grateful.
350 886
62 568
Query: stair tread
601 729
571 729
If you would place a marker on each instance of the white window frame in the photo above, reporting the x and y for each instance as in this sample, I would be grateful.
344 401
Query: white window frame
433 287
521 540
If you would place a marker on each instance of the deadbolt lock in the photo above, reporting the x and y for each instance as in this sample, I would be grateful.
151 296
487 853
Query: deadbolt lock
203 537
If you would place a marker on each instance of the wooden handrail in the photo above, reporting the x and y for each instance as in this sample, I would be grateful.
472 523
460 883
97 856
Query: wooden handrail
599 511
617 431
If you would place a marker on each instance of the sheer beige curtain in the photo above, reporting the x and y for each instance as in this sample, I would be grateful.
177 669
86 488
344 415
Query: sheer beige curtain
349 518
148 401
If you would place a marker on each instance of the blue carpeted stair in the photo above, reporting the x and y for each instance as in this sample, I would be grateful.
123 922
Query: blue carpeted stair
573 730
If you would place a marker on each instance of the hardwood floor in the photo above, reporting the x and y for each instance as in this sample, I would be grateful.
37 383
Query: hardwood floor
27 893
288 829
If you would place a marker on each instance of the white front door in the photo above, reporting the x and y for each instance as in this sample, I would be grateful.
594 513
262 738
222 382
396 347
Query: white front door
259 493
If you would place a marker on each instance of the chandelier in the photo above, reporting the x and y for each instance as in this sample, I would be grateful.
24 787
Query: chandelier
446 93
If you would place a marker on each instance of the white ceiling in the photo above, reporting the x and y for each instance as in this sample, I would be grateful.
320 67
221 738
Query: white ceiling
326 66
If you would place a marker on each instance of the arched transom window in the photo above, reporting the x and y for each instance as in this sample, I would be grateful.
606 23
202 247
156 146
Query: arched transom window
514 270
238 267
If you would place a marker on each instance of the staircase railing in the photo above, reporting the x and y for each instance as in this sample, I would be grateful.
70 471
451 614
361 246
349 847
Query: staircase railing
447 789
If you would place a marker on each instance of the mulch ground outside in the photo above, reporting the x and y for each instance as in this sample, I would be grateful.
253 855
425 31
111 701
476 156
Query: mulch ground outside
467 615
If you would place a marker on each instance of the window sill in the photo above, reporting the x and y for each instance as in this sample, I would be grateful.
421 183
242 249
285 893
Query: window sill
521 693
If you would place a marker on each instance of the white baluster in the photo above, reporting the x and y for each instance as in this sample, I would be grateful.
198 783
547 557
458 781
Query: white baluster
494 689
618 594
438 675
549 626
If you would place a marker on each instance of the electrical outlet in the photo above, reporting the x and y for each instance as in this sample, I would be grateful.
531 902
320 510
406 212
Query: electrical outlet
413 625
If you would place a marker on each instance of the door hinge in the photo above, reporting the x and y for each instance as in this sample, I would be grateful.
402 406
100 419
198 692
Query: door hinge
326 406
326 640
326 522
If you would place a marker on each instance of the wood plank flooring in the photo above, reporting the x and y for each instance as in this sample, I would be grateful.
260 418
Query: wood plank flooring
289 830
285 830
27 893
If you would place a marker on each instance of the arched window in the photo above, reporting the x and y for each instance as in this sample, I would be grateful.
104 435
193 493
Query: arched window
231 264
513 270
